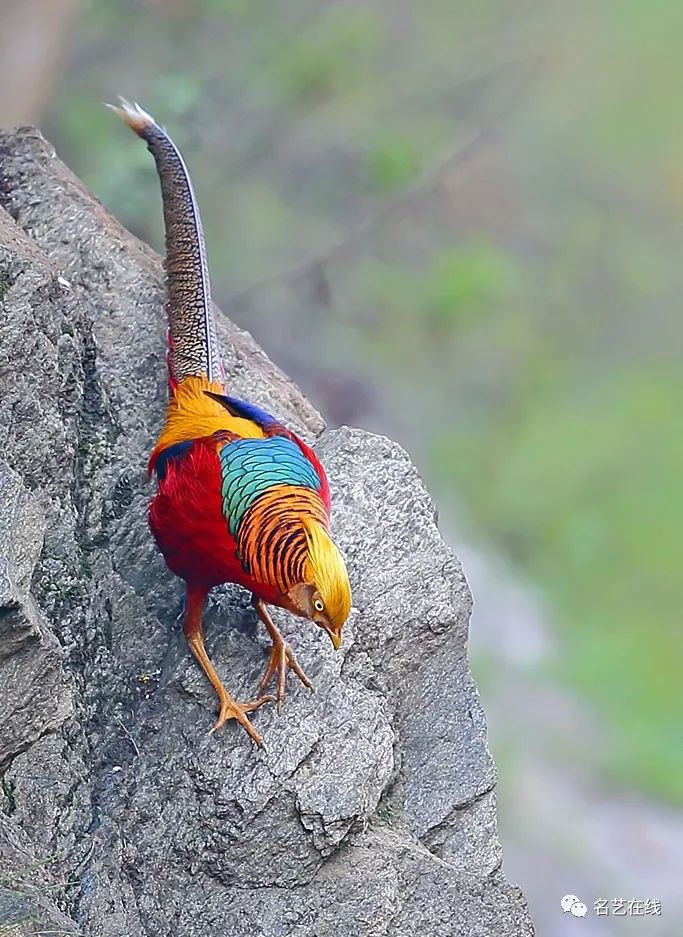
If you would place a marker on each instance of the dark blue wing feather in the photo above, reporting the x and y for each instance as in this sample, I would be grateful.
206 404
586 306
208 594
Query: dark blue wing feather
249 411
171 452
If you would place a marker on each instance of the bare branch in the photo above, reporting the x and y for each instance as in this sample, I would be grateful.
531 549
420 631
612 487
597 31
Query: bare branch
440 176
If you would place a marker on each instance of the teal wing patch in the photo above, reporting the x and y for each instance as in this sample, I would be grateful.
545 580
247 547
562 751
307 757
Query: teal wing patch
249 467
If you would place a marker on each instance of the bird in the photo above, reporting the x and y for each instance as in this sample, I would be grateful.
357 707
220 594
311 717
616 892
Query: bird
239 497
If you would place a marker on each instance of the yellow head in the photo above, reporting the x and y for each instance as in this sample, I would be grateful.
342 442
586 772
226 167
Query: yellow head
325 596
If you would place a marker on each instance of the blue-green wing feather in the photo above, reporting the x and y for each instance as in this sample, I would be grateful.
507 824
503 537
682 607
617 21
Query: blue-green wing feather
249 467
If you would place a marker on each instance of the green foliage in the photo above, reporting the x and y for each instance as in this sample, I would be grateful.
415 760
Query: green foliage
391 164
461 285
103 15
9 803
332 55
434 305
230 8
385 813
582 485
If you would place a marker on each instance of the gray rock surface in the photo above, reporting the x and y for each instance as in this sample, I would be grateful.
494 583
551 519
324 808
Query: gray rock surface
373 811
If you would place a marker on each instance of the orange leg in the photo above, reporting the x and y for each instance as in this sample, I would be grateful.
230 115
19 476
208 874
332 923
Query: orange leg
281 657
229 707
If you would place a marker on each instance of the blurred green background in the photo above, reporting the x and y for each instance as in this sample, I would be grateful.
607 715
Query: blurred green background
460 224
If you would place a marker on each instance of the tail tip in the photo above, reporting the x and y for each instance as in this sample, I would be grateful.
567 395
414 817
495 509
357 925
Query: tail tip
132 114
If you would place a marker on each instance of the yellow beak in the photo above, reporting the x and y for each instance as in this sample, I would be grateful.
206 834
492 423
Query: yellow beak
335 638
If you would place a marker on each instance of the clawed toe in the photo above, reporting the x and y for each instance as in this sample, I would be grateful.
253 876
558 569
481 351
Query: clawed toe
281 658
231 709
294 665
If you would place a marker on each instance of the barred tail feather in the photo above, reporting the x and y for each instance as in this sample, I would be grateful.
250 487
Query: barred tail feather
193 345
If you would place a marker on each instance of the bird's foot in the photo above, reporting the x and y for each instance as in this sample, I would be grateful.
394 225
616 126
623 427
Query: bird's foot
281 658
231 709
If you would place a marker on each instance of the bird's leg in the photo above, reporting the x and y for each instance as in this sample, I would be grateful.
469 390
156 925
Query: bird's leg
229 707
281 657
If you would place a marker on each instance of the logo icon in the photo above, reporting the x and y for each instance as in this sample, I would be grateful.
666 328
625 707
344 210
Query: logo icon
570 904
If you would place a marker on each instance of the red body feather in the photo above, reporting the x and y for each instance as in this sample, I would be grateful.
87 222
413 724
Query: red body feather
187 521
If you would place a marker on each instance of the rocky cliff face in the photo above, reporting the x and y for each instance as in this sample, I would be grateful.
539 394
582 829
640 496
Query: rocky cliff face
373 811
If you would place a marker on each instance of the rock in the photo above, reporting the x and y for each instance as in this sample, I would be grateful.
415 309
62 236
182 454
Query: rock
373 810
26 887
34 698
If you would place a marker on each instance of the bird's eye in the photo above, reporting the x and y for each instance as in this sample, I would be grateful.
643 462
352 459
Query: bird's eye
318 605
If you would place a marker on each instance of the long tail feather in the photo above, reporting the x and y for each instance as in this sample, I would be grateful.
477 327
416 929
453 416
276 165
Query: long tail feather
193 346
